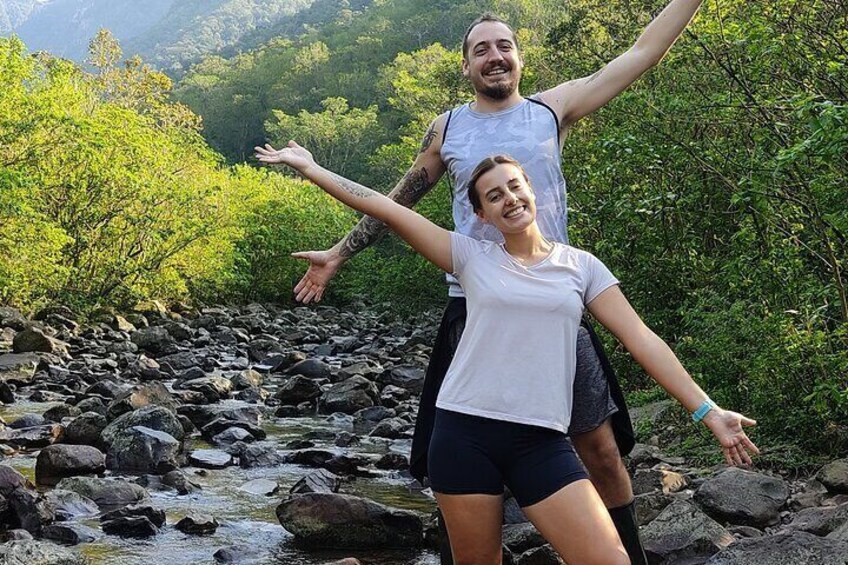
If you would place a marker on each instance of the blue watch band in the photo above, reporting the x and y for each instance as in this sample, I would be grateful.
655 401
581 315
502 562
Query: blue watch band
703 410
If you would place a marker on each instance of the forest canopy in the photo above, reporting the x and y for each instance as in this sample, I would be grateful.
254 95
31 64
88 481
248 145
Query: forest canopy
715 187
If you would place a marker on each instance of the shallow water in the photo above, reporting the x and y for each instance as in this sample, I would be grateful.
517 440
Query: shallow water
246 518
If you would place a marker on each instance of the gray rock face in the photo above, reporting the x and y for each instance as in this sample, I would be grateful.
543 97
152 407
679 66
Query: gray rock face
85 429
34 437
320 480
349 396
155 339
212 388
10 479
33 510
821 520
152 394
153 417
298 389
34 339
311 368
264 487
56 462
140 449
788 548
210 459
70 505
681 531
743 497
31 552
338 520
18 367
198 524
106 493
130 527
834 476
408 377
69 534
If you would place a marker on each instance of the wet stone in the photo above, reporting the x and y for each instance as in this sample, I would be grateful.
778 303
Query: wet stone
264 487
210 459
130 526
197 524
69 534
155 515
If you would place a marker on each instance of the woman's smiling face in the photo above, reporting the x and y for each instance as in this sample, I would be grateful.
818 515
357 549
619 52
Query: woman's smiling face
506 198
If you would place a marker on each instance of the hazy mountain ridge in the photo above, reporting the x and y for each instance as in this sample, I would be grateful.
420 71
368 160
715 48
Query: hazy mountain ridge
170 34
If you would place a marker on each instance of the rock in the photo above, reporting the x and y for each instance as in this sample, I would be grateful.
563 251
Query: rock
106 493
264 487
543 555
11 479
55 414
152 394
70 505
650 480
343 439
210 459
34 339
682 530
396 461
321 480
408 377
337 520
311 368
260 456
56 462
153 417
649 506
17 534
197 524
85 429
298 389
31 552
69 534
392 428
92 404
237 554
213 388
144 368
522 537
743 497
140 449
349 396
232 435
130 527
12 318
7 395
820 521
787 548
32 509
18 368
154 515
27 421
834 476
321 458
220 425
247 379
34 437
154 339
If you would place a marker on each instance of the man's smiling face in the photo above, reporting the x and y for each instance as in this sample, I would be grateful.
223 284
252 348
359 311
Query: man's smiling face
491 60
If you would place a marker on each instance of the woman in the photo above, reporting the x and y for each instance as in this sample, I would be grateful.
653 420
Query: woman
504 407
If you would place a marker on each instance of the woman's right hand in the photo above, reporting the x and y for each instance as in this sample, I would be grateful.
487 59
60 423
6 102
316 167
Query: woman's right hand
292 155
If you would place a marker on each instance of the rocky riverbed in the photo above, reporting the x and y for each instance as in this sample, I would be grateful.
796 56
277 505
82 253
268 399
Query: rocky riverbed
263 435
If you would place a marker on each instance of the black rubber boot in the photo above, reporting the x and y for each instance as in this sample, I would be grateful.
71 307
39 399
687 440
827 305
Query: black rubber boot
445 555
624 518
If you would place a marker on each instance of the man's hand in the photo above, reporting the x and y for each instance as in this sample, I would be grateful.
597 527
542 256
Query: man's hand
292 155
323 266
726 426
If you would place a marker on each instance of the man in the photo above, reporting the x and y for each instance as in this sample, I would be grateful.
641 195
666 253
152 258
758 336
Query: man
455 142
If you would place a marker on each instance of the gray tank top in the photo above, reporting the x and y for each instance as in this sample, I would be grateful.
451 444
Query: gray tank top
529 133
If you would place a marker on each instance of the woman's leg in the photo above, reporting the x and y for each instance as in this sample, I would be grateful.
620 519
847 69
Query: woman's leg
576 523
474 527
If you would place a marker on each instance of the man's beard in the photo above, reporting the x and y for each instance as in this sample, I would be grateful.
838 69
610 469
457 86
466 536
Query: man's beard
501 89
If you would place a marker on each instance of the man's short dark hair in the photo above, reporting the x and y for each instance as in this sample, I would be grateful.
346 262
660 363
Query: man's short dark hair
485 17
483 167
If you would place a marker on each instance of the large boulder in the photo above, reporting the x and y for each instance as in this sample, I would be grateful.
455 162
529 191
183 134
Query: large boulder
153 417
154 339
11 479
32 438
683 531
298 389
743 497
106 493
349 396
86 429
140 450
56 462
32 552
32 510
820 520
786 548
18 367
213 388
339 520
34 339
834 476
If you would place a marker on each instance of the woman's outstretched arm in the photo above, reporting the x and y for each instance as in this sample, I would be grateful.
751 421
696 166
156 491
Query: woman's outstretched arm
428 239
612 309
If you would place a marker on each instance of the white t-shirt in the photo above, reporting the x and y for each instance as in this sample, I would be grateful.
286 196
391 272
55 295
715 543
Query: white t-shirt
516 358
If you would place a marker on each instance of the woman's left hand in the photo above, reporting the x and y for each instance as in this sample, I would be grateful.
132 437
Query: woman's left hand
293 155
726 426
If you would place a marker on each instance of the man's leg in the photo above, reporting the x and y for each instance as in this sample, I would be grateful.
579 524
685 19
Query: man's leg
592 434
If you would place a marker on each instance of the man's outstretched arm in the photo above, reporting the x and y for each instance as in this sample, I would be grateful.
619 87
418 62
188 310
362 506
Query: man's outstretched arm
425 172
577 98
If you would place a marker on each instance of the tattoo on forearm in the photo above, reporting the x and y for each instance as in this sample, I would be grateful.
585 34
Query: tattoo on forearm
428 139
410 190
351 187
